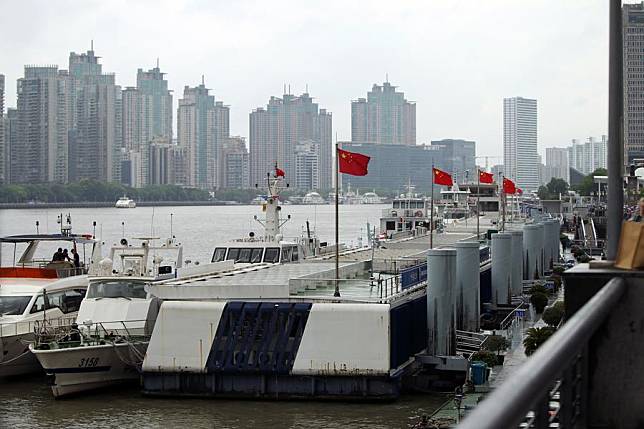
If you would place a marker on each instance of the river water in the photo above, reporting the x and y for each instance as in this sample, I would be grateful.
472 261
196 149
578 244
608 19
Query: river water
27 402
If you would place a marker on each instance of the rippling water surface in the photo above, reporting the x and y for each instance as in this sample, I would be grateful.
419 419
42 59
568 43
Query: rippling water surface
27 402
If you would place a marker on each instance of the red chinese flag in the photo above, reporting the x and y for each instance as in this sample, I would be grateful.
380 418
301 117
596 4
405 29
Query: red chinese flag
509 187
353 163
519 191
442 178
279 172
486 177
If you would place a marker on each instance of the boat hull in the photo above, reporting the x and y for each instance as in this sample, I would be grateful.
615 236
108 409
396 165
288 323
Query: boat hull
84 368
15 358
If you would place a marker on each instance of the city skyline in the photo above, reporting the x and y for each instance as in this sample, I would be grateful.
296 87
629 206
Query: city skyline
434 70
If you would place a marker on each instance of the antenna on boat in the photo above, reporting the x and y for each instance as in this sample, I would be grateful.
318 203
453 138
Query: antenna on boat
171 214
122 229
37 228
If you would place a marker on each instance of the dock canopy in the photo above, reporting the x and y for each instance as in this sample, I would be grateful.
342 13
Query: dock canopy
83 239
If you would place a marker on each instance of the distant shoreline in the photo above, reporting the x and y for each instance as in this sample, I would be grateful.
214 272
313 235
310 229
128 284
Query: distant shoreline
95 204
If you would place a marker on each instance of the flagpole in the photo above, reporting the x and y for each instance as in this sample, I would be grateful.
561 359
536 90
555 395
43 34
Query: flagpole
503 197
337 232
478 203
431 214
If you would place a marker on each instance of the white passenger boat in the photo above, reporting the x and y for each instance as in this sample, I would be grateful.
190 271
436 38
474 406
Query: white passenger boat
109 338
125 203
410 214
37 293
313 198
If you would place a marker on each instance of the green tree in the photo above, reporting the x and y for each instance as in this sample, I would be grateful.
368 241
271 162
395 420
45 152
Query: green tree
539 301
557 186
588 185
543 193
485 356
535 337
553 314
496 344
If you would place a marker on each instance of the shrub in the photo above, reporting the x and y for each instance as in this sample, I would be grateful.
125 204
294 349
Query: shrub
539 301
558 270
553 314
496 344
538 288
484 356
535 337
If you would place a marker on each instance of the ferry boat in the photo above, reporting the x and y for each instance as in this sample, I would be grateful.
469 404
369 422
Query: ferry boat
109 336
125 203
371 198
37 292
410 214
313 198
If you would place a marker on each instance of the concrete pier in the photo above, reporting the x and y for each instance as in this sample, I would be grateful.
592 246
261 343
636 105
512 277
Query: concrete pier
468 280
517 261
501 269
532 251
441 272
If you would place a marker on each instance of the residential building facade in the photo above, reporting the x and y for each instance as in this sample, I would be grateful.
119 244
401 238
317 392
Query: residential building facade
202 128
590 155
557 163
97 120
520 142
633 76
40 151
275 132
384 117
236 164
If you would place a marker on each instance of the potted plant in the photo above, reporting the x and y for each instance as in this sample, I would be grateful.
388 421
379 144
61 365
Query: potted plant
539 300
497 344
535 337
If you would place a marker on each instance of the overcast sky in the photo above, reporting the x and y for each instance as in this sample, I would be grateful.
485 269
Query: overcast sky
456 59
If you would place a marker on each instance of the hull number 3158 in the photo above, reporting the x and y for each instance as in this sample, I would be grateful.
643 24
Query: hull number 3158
88 362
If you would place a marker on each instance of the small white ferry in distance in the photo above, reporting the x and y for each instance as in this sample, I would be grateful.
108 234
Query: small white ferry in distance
125 203
38 291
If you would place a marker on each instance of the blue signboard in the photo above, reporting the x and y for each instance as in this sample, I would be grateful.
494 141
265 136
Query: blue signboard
413 275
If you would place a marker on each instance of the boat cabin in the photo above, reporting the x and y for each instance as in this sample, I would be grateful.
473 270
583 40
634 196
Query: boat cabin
36 256
257 252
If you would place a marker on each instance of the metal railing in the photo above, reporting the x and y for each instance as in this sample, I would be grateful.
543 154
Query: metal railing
550 388
34 326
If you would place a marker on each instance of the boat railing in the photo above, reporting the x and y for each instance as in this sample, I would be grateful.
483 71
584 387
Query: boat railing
34 326
551 388
93 333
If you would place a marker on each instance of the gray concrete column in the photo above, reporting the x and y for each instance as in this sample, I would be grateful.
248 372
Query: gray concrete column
468 283
441 282
517 261
532 251
501 269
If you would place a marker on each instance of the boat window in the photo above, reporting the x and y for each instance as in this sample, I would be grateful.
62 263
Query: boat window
219 255
233 253
39 305
272 255
13 305
286 253
116 289
67 301
256 255
244 255
295 255
396 204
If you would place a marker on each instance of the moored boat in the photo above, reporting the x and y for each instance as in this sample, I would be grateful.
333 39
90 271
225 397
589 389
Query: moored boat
40 292
125 203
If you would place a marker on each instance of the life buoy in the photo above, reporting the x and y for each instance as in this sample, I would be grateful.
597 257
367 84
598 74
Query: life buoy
419 213
394 213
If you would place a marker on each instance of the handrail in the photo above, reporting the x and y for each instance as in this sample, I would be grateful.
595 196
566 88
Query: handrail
507 405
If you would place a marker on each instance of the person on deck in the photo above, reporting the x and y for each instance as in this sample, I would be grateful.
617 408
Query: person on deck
58 256
76 258
638 216
66 256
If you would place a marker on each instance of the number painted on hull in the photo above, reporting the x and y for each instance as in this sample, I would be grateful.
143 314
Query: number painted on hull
88 362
